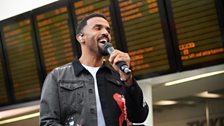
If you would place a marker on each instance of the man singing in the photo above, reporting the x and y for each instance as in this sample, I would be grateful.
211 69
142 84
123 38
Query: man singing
91 91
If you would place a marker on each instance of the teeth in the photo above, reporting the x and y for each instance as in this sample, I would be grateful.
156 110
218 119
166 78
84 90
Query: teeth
103 40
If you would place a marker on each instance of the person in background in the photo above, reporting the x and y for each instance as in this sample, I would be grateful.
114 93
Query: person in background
92 91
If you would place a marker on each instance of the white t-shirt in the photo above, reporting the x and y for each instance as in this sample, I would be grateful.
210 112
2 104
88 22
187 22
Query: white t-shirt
100 117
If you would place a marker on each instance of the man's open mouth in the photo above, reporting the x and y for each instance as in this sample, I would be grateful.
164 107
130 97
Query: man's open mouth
103 40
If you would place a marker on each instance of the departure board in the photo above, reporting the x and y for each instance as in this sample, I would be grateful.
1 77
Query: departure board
18 42
144 36
198 31
160 36
3 93
54 35
84 7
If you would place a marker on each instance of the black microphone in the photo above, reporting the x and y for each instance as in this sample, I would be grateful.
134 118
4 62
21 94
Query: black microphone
121 64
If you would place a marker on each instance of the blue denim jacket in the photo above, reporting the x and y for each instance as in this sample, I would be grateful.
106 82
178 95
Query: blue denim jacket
68 97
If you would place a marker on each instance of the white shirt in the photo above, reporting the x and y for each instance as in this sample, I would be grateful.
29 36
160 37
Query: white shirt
100 117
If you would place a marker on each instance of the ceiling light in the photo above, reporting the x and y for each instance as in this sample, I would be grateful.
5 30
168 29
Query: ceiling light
193 78
205 94
19 118
165 102
189 102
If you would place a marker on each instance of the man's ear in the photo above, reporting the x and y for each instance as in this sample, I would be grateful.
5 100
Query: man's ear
80 38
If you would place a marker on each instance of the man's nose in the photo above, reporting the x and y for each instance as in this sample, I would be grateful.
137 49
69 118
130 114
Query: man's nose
105 32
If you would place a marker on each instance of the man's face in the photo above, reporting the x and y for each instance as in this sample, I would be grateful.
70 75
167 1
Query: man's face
97 33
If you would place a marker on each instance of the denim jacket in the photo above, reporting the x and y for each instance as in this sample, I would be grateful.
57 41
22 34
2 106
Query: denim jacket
68 97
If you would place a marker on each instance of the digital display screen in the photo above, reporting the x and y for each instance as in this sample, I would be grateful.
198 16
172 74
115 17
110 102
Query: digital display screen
54 33
144 36
198 31
18 43
84 7
3 93
153 32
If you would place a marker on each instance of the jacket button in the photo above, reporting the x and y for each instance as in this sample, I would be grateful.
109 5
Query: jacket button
91 91
92 110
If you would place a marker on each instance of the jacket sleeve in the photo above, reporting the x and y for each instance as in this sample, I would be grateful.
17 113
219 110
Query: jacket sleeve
49 103
137 108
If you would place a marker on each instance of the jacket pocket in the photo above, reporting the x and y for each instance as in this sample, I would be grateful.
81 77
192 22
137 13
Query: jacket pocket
73 91
71 85
72 96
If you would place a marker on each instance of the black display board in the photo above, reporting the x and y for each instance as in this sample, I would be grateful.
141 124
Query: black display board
3 90
197 32
161 36
145 38
21 58
54 34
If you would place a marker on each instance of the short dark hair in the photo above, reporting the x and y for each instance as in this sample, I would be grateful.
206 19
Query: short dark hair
83 22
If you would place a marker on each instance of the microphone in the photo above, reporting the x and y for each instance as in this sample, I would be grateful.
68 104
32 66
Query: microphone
108 48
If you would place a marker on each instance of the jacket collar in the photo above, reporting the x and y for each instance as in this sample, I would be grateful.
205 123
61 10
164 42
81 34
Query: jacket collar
78 68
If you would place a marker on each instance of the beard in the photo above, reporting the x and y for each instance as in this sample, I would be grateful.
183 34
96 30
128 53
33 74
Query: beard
102 51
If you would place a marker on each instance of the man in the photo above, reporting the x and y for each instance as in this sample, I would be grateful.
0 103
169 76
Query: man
89 91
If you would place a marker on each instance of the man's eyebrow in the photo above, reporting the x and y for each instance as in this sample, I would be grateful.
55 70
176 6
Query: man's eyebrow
100 25
97 25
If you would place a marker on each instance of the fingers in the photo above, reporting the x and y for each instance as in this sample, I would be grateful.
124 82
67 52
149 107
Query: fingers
117 56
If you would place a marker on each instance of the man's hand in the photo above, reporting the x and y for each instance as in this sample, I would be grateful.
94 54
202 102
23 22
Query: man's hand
117 56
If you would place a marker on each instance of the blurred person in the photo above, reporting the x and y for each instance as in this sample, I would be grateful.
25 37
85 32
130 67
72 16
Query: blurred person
92 91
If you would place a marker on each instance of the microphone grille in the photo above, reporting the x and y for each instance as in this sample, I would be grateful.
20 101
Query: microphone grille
107 45
108 48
